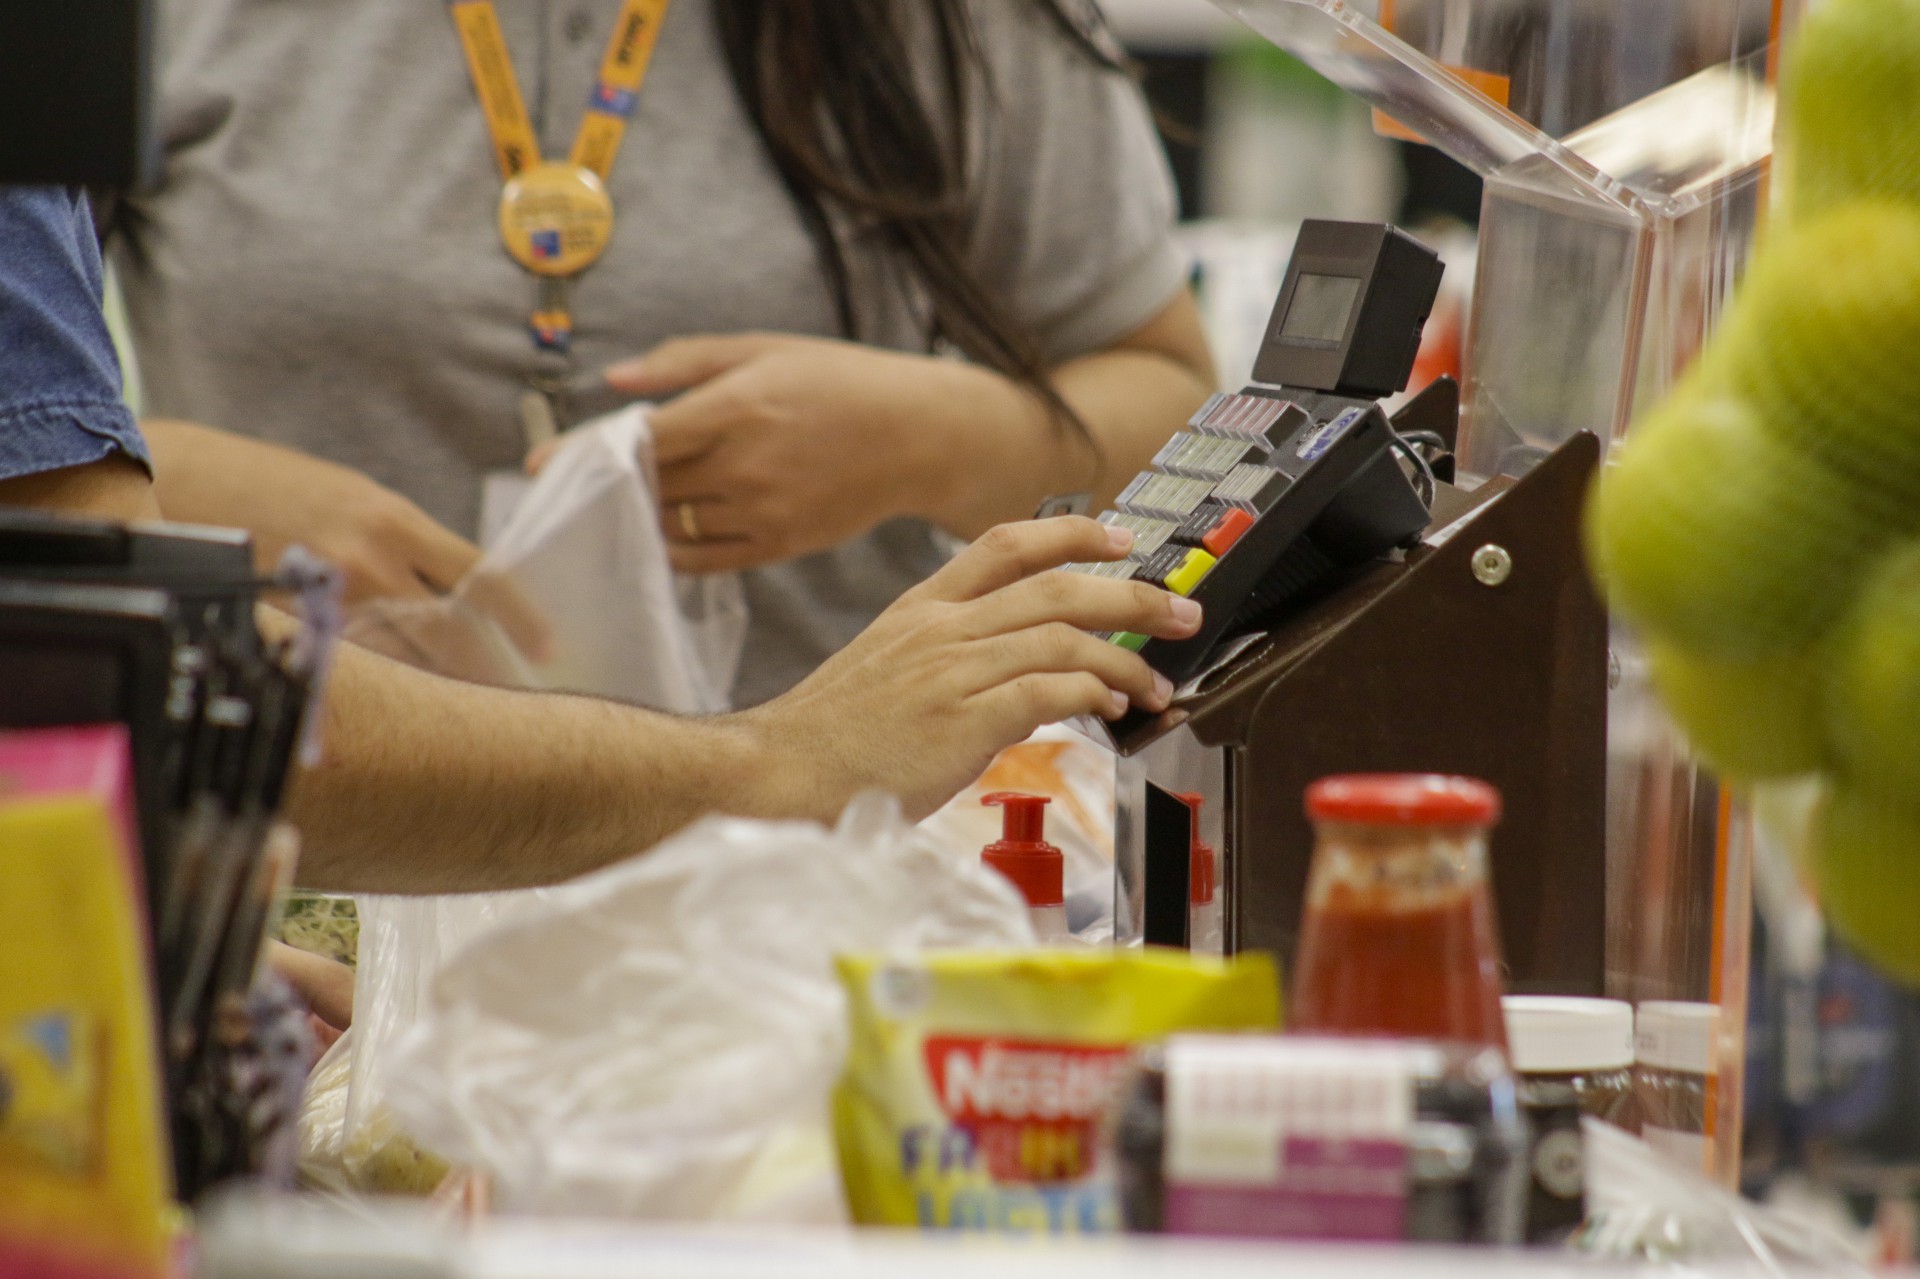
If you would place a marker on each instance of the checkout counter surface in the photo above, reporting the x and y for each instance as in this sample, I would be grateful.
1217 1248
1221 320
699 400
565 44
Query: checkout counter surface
299 1241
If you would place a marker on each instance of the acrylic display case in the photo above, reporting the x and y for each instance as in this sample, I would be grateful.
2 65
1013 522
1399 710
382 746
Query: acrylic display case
1624 146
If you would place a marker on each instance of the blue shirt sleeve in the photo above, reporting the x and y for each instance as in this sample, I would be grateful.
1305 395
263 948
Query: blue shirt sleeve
60 401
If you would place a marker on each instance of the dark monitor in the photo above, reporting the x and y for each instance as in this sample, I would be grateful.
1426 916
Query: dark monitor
1350 312
76 92
1322 306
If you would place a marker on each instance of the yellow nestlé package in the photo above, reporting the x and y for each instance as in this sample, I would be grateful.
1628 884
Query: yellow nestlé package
84 1172
977 1081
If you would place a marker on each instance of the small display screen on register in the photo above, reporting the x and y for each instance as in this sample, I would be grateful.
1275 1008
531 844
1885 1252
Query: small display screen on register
1320 308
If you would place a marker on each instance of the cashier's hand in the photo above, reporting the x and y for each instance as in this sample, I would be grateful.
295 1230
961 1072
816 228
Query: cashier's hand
384 545
970 661
386 548
777 446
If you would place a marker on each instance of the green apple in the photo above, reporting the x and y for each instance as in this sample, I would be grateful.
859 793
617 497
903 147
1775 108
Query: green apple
1867 861
1751 719
1712 534
1823 338
1873 702
1850 105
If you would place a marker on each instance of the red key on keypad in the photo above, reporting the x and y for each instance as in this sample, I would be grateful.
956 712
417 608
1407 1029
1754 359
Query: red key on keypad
1223 535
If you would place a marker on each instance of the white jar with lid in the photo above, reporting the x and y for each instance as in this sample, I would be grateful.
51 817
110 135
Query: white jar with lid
1574 1057
1586 1044
1675 1078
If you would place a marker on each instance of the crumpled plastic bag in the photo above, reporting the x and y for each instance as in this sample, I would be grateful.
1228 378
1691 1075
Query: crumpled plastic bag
385 1158
660 1039
1643 1206
575 594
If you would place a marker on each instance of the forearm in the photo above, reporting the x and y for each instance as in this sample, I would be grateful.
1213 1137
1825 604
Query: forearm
195 470
1130 401
1131 397
114 488
430 785
182 487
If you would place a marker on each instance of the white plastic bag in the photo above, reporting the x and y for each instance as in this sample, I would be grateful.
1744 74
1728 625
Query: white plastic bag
581 566
584 547
575 593
659 1039
1644 1206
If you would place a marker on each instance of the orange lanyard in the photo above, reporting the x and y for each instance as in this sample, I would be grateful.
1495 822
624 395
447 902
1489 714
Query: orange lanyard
623 70
556 218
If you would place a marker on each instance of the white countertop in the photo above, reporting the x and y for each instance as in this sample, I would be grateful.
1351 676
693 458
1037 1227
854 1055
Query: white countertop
254 1237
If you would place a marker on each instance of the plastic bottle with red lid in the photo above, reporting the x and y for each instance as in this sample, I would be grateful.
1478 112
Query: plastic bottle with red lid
1205 928
1398 936
1024 856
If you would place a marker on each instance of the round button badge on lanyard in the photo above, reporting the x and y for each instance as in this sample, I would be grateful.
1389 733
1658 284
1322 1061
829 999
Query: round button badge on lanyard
556 219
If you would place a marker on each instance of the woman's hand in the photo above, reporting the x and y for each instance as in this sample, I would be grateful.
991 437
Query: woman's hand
779 446
386 548
384 545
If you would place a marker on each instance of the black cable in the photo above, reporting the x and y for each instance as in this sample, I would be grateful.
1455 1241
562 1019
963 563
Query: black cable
1429 486
1429 438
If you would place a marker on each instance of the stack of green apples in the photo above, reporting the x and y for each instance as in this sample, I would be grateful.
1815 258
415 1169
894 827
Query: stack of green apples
1762 525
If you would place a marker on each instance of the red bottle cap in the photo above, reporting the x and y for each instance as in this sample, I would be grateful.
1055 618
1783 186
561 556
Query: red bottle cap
1203 864
1403 799
1022 853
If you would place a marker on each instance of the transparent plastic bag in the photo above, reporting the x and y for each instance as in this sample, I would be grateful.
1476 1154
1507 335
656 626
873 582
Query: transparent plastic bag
323 1120
1644 1206
584 548
686 1073
574 594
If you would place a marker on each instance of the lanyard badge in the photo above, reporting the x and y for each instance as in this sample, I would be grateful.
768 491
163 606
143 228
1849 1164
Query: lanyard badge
555 217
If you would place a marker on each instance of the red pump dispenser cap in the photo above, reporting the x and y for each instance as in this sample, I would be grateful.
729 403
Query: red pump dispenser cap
1022 853
1203 864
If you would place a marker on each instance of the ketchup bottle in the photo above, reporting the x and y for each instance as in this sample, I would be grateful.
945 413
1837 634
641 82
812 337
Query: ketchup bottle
1398 937
1024 856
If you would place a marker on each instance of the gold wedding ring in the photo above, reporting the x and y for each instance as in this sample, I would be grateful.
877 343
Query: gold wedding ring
689 525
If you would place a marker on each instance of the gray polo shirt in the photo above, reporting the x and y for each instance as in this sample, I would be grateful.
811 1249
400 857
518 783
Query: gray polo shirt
320 265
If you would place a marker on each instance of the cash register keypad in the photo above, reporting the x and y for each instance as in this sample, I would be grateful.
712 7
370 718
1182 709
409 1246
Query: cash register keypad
1212 484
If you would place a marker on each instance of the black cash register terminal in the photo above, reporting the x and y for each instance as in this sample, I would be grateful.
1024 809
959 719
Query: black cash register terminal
1272 492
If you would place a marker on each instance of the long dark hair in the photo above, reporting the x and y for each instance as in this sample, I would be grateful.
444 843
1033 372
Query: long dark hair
830 85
